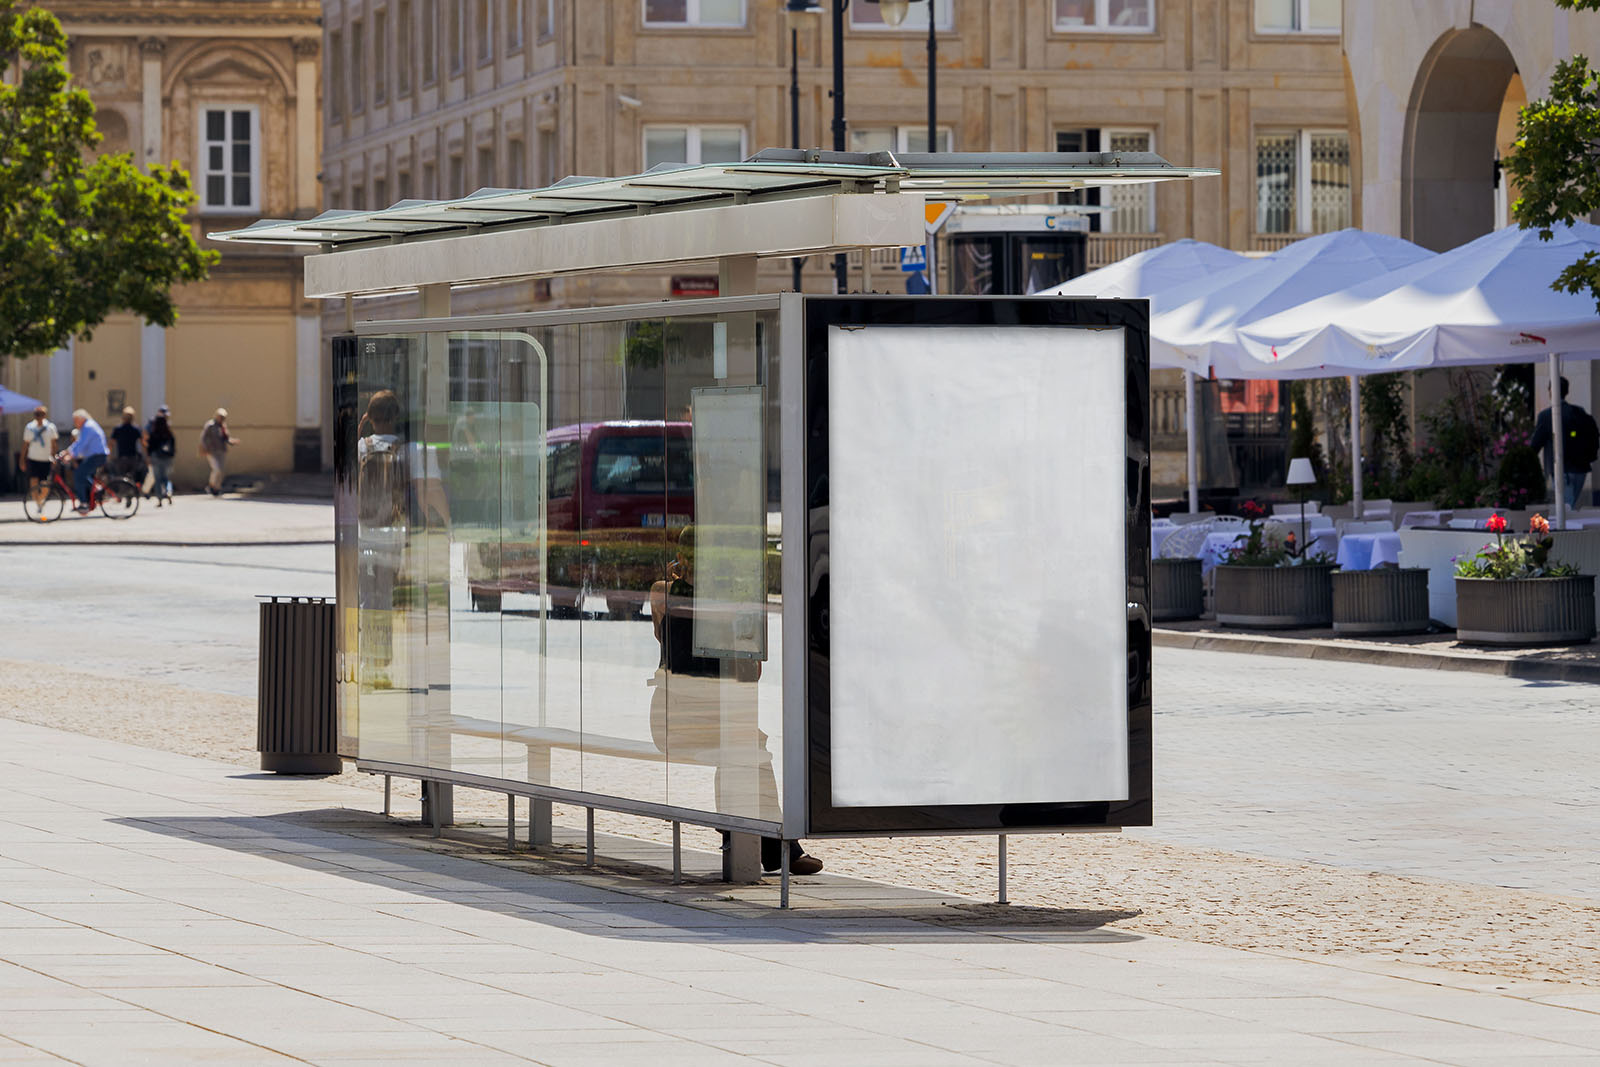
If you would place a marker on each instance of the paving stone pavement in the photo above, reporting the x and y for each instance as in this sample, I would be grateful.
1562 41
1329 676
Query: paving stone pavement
157 908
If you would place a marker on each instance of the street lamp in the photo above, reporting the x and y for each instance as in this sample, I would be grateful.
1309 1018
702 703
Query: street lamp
796 13
893 12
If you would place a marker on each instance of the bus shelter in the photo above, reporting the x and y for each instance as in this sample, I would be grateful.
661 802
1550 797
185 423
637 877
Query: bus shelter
784 565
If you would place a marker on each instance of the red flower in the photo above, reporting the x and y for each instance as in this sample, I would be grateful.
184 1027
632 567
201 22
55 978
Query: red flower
1496 524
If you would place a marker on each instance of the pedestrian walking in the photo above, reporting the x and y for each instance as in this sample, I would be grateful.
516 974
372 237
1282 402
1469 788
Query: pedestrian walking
40 438
127 442
1579 448
214 444
89 449
161 445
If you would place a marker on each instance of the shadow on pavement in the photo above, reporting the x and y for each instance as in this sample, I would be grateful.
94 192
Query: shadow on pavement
629 892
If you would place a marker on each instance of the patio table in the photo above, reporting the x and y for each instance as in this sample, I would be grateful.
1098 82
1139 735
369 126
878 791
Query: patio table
1363 552
1424 518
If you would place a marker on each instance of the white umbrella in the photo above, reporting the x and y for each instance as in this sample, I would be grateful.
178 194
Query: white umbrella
13 403
1151 275
1201 322
1488 301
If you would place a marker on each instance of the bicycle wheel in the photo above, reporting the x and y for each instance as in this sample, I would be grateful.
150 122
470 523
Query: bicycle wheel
120 498
44 509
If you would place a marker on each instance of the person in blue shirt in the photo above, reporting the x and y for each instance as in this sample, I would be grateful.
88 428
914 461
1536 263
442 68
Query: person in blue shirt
89 449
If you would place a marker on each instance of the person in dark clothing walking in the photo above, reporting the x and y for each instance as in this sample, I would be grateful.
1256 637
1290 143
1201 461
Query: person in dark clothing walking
161 445
126 441
1580 445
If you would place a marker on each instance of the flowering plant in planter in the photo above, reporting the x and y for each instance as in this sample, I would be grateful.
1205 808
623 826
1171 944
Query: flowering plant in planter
1258 548
1511 558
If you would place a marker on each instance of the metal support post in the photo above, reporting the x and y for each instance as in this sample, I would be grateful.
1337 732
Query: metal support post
677 853
589 858
511 823
1003 899
541 829
794 124
1356 496
841 266
783 875
1558 438
1191 445
386 784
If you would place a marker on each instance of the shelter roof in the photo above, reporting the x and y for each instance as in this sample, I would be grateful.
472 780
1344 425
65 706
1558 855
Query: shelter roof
772 174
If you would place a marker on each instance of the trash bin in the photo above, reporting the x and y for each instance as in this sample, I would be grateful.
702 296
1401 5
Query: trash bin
296 717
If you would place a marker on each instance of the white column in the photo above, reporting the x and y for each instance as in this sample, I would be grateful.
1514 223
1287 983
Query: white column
1356 496
152 368
62 384
1190 444
307 196
308 371
1558 441
151 50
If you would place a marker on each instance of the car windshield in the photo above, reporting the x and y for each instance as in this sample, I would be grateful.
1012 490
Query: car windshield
635 465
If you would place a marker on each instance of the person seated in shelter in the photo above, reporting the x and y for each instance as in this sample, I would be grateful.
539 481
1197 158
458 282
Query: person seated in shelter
686 712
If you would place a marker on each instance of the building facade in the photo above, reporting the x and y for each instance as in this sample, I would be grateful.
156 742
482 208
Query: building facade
230 91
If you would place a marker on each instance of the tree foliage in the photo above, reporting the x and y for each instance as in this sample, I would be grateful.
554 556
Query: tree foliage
1556 160
79 238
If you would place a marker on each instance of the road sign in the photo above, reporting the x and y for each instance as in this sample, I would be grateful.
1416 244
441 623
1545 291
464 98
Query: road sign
936 214
914 260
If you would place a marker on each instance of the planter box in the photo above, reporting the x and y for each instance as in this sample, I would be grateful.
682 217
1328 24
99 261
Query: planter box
1176 590
1275 597
1385 601
1527 611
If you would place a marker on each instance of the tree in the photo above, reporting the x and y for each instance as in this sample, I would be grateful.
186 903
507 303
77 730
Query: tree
1556 160
79 239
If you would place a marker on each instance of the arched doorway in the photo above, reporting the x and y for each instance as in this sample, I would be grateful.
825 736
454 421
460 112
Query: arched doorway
1452 125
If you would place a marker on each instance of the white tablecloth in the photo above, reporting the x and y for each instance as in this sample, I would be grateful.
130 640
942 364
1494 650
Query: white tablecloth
1362 552
1217 545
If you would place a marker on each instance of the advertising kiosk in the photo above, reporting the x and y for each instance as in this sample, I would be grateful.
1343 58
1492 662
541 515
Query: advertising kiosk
784 565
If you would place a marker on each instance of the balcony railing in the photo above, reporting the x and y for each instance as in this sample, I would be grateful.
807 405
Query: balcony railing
1272 242
1106 248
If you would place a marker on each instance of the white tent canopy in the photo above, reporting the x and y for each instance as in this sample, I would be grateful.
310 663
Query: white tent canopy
1199 324
1488 301
1153 273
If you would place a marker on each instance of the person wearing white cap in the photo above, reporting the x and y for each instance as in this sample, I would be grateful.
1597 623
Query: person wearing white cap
214 444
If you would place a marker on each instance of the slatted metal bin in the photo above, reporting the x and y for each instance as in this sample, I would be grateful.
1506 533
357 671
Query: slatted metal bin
296 716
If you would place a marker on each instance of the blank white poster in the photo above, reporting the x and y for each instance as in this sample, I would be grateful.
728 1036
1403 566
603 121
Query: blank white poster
978 616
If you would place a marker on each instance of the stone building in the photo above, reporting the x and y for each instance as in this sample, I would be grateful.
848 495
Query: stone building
230 91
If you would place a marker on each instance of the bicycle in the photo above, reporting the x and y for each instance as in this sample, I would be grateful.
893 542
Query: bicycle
116 496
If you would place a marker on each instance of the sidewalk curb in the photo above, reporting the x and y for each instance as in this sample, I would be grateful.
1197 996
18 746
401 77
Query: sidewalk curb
1303 648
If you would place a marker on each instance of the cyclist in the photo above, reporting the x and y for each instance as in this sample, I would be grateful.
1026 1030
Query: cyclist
40 435
89 449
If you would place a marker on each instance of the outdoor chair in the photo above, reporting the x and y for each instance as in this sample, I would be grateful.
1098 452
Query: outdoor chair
1377 509
1365 526
1186 542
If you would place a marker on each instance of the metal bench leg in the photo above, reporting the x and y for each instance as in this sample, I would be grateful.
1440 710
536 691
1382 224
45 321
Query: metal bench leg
783 876
589 861
541 823
677 853
386 783
1003 899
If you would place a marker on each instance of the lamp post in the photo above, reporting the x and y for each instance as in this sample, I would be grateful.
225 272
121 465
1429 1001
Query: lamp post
796 13
894 13
1300 476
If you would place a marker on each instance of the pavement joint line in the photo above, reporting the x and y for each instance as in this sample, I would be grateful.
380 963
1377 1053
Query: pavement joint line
1328 651
165 544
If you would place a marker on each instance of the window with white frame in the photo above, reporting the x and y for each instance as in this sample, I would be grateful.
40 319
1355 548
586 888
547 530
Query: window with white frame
865 16
230 158
513 17
1302 181
1123 208
429 34
380 56
1298 16
336 74
1106 16
358 68
693 12
483 29
692 144
898 139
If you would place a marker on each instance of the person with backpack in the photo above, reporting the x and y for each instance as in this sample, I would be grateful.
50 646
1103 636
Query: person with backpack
161 445
1580 445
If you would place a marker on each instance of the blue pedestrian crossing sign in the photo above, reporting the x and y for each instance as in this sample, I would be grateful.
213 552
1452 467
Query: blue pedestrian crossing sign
914 260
